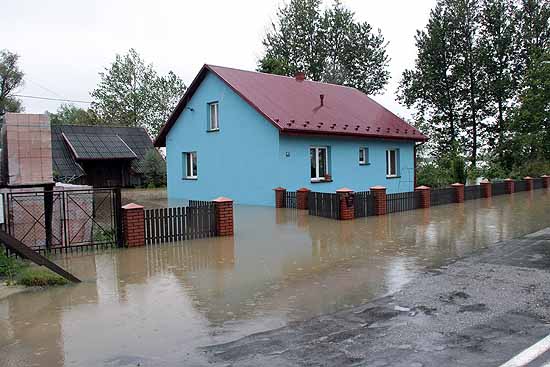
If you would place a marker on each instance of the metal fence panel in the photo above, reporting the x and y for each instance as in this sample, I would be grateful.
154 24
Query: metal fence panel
499 188
538 183
289 199
442 196
472 192
520 185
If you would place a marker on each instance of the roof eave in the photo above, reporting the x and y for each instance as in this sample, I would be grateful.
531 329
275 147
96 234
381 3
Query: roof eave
298 132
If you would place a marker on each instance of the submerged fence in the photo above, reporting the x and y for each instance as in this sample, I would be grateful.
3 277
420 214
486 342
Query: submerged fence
329 205
198 220
323 204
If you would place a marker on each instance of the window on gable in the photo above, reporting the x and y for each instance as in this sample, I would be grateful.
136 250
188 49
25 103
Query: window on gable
213 116
319 163
363 155
190 161
392 162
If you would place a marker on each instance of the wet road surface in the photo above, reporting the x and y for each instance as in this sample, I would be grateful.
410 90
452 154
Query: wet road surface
156 305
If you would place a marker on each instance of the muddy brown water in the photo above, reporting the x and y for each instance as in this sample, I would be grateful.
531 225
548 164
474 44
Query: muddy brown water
154 306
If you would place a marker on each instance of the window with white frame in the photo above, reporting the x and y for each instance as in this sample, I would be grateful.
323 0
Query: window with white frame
319 163
213 116
190 162
363 156
392 162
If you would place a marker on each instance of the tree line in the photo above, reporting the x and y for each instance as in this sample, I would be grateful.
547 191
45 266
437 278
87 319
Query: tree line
480 86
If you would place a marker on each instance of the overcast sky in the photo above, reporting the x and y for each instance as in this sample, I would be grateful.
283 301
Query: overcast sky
63 44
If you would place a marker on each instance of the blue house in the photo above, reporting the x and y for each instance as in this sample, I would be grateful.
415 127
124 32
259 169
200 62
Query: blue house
240 134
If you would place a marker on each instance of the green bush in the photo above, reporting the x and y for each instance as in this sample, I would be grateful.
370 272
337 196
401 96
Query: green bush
9 266
39 277
154 168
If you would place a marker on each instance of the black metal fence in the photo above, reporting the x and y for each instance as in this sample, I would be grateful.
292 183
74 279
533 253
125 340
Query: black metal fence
538 183
323 204
61 220
442 196
472 192
198 220
289 199
363 204
402 201
520 185
499 188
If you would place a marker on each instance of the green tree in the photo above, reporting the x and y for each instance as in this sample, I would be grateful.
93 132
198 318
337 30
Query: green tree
432 87
500 64
71 115
11 77
154 169
327 46
131 93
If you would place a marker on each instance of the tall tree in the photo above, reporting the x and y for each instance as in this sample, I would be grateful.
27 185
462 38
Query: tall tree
131 93
432 86
11 77
465 25
500 64
329 46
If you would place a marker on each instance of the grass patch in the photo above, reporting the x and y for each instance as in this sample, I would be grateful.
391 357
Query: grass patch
39 277
9 266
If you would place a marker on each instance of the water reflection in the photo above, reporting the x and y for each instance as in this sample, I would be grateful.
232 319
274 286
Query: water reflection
154 305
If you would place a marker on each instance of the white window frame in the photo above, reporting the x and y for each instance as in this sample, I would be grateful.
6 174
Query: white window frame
365 160
214 124
318 149
190 172
388 163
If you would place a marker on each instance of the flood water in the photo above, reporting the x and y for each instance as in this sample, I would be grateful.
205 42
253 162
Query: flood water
155 305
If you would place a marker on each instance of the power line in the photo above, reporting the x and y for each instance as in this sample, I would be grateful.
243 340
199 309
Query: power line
50 99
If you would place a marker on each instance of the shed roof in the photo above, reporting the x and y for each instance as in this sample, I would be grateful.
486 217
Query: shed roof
98 147
297 106
97 142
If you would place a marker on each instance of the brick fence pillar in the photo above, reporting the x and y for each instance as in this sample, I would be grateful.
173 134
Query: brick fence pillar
133 225
546 181
379 193
486 189
425 197
459 192
224 216
510 185
302 196
529 183
347 209
280 197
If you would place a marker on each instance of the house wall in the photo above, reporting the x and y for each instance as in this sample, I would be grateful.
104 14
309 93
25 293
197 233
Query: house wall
239 161
344 164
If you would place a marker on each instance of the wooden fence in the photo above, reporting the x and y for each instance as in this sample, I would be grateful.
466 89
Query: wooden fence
472 192
363 204
402 201
198 220
323 204
499 188
289 199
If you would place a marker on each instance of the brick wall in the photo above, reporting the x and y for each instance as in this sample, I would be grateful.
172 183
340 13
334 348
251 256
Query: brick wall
510 186
486 189
459 192
302 198
425 198
279 197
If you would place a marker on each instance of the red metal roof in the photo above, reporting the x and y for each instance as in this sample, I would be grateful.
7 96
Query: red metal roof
294 106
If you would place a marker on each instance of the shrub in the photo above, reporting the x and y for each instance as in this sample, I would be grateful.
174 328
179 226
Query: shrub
9 265
154 168
39 277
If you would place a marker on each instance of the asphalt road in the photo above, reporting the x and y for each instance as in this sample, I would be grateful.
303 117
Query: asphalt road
478 311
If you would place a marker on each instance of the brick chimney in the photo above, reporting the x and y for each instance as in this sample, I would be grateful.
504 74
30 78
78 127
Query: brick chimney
300 76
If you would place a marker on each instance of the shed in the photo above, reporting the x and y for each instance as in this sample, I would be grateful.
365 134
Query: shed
100 156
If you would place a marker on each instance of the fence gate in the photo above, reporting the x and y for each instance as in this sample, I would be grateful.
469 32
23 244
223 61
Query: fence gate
64 220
